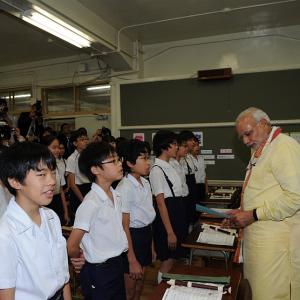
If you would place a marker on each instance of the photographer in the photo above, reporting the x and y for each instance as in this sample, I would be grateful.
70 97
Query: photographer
31 123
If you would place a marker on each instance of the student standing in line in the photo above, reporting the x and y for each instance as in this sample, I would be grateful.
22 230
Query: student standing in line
138 214
169 226
98 230
78 183
200 175
33 260
58 203
189 169
175 163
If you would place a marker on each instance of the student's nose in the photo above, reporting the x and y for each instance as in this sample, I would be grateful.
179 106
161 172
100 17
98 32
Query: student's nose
52 178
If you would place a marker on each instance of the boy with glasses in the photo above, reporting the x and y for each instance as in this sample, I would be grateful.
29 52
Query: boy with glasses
98 230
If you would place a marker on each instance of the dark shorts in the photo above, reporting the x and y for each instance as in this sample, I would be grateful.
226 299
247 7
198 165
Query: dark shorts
104 281
142 242
177 214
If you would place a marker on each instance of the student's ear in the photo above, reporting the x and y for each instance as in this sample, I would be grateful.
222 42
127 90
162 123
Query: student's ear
96 170
14 183
129 164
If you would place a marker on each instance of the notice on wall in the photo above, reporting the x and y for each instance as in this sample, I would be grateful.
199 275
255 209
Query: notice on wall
208 156
199 136
139 136
223 151
206 151
209 162
225 156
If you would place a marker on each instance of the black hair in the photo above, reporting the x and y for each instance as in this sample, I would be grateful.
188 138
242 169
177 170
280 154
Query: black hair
105 131
20 159
186 135
93 155
130 152
108 139
78 133
47 140
162 141
180 140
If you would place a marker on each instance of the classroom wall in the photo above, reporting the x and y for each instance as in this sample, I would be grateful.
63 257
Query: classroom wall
247 52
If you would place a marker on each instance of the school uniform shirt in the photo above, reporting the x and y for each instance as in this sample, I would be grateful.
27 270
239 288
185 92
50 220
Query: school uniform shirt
33 258
61 166
102 220
187 164
136 200
199 167
4 199
158 182
180 171
60 181
72 167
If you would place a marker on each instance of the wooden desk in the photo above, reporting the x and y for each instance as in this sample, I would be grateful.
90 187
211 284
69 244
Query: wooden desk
235 277
191 243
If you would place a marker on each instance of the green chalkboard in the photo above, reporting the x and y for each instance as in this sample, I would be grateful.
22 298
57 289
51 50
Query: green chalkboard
191 101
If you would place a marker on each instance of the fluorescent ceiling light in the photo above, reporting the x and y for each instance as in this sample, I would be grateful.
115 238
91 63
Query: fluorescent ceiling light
44 20
98 87
19 96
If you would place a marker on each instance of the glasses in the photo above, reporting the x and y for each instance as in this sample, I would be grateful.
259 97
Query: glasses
115 161
82 139
144 157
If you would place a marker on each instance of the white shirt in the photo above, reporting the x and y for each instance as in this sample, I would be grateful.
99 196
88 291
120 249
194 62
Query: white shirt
180 171
72 167
61 166
60 181
199 166
102 221
187 164
137 201
4 199
33 259
158 181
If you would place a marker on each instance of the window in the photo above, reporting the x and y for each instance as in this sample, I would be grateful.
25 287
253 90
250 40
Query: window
82 99
18 100
60 100
94 98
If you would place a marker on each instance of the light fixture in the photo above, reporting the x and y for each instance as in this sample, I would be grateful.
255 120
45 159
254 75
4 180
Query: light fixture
19 96
46 21
98 87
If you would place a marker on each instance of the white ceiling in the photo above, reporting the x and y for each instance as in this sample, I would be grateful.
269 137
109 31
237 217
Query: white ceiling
245 15
23 43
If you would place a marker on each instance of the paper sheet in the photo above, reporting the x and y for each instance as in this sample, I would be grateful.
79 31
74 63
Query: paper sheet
190 293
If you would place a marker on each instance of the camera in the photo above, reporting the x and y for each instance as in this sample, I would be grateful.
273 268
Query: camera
5 131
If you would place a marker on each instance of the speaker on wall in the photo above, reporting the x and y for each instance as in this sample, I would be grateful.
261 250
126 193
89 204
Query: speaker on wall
224 73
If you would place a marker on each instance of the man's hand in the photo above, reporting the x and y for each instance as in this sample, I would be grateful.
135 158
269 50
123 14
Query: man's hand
238 218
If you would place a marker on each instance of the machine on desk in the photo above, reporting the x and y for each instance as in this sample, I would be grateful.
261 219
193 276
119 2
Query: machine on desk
223 197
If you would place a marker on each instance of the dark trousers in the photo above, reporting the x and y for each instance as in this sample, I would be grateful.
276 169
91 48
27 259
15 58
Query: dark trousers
104 281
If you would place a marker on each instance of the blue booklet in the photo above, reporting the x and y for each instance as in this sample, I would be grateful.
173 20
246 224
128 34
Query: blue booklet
211 211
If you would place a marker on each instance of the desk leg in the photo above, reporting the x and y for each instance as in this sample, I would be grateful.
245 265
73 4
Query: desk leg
226 259
191 256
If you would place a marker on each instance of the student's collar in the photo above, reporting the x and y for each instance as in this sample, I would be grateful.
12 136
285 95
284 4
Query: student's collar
22 220
133 180
162 163
101 193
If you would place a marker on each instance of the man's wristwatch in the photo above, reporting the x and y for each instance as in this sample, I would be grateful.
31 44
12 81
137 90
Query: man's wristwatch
254 214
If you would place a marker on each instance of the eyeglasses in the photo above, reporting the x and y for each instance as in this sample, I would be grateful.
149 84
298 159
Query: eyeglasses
115 161
144 157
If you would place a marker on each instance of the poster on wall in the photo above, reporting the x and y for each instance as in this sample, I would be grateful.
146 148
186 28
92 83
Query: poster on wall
199 136
139 136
